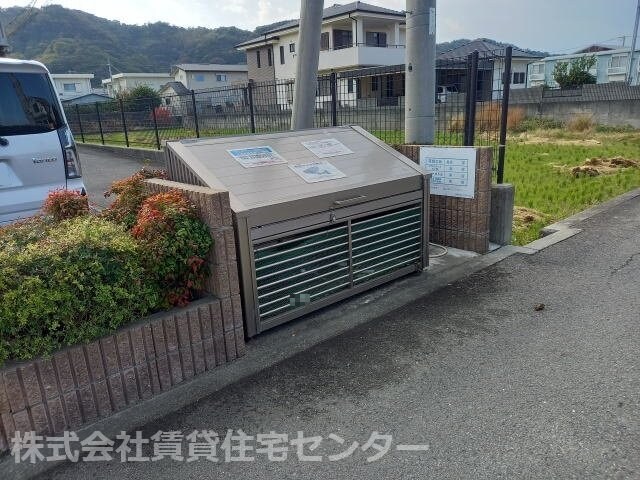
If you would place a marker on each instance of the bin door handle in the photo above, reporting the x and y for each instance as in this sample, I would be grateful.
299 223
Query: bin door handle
347 201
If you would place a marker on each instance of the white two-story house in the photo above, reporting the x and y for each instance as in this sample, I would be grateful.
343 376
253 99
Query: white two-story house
612 65
72 85
355 35
202 76
122 82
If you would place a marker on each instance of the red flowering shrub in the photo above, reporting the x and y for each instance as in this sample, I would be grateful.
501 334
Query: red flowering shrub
176 243
131 193
163 115
64 204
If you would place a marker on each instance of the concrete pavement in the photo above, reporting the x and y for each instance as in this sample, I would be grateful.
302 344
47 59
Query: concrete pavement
495 388
101 167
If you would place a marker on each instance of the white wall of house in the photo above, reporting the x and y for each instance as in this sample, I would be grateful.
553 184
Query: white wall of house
200 80
122 82
71 85
518 75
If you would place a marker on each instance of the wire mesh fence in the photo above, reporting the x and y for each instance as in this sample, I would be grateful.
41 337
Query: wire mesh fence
471 107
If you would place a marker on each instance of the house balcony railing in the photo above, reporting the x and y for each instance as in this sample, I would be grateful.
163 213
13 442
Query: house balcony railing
361 54
616 70
536 77
351 45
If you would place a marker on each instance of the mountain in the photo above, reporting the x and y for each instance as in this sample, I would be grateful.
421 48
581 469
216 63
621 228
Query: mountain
73 41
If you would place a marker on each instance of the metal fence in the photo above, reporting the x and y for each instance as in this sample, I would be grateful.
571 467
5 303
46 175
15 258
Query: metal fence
471 107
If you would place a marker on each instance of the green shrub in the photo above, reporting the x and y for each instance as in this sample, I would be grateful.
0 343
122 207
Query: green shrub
63 204
176 243
575 72
67 283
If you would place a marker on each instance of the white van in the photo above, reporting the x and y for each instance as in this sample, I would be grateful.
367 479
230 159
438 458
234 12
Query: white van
37 150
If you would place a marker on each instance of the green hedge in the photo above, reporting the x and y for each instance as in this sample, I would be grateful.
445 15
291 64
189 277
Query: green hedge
66 283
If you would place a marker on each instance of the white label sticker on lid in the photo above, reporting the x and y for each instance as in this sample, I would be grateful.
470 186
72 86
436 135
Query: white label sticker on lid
327 147
317 171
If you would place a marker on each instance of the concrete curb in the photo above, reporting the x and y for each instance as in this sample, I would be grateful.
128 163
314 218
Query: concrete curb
154 157
563 229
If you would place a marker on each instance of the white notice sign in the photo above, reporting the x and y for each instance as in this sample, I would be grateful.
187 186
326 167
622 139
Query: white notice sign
453 170
256 156
327 147
317 171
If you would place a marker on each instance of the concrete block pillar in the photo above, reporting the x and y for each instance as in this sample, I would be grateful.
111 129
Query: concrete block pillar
501 220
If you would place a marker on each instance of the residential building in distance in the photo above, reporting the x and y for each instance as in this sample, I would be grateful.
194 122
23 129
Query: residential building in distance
491 67
87 98
612 65
122 82
72 85
355 35
201 76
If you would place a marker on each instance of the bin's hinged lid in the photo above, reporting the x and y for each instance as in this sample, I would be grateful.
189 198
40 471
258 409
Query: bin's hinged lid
263 170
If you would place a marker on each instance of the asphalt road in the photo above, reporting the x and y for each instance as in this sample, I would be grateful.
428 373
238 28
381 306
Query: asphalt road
100 169
495 388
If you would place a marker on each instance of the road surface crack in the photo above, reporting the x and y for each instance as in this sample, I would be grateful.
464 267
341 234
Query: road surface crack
626 263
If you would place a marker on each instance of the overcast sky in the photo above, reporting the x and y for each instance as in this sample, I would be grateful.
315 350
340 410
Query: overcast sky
551 25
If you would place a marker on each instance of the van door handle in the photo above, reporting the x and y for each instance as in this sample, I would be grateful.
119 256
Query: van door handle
348 201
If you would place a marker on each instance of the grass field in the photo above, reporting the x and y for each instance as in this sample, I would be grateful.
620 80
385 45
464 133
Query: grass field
538 163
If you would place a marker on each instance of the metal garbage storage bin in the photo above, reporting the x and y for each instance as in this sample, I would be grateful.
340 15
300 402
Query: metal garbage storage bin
320 214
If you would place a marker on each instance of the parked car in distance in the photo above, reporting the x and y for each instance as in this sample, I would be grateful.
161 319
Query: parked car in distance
37 150
442 91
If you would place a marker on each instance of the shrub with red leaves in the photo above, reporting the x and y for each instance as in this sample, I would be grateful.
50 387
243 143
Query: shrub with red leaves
64 204
131 193
176 243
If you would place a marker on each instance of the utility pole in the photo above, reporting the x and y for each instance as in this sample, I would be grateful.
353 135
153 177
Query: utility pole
633 45
304 93
4 42
420 72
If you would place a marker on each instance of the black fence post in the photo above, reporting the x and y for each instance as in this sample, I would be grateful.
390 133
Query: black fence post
155 125
252 115
195 113
124 122
100 122
472 92
506 90
79 122
334 99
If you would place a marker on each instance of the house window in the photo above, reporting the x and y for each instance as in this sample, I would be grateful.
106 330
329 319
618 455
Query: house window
389 86
221 77
281 55
69 87
324 87
350 86
376 39
324 41
618 62
537 69
375 84
167 101
198 77
270 57
342 39
518 78
292 48
258 59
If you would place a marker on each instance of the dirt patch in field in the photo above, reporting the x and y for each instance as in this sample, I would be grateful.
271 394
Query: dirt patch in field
593 167
523 216
535 140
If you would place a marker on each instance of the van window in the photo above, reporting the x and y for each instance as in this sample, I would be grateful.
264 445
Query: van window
27 104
